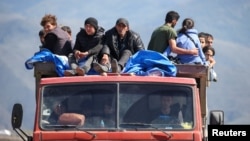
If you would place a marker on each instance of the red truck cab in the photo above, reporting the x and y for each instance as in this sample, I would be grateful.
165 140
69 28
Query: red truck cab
119 106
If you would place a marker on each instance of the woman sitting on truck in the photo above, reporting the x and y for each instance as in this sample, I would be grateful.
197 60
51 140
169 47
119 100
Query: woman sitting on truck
187 38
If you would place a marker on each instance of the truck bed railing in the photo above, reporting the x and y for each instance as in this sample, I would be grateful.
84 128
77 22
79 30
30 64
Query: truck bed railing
201 74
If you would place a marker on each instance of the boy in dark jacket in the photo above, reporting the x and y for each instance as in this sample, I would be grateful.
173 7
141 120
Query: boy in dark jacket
87 45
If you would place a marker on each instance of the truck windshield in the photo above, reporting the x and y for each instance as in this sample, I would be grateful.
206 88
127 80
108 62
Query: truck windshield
130 106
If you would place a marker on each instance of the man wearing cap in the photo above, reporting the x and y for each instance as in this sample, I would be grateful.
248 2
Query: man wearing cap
120 43
87 45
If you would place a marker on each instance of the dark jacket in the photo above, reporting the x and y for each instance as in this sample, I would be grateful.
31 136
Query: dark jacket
92 44
57 41
132 39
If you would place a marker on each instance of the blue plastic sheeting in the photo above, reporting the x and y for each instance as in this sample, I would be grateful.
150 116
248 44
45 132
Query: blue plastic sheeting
147 62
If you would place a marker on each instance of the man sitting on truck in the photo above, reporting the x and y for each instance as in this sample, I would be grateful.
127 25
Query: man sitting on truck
168 113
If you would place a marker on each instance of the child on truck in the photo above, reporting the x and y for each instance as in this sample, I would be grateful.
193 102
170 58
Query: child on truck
87 46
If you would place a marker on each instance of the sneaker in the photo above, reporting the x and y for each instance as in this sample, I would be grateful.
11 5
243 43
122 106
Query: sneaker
73 66
100 68
69 73
103 74
80 71
114 66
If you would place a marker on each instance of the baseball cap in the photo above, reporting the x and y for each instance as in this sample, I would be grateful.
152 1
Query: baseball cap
122 21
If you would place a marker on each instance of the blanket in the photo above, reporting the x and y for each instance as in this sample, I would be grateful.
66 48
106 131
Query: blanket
147 62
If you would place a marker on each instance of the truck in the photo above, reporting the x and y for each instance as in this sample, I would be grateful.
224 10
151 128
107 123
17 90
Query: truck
119 106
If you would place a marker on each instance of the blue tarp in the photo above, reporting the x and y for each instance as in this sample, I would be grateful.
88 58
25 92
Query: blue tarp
147 62
144 62
61 62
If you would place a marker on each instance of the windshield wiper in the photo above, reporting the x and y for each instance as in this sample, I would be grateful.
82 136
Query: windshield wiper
92 134
65 127
169 135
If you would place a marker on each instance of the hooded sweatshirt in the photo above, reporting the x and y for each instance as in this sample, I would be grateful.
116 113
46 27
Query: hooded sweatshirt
184 42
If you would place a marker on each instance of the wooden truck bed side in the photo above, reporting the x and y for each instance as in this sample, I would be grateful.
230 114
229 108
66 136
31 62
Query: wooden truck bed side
201 74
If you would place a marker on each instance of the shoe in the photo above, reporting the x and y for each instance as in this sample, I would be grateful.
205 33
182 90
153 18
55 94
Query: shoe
100 68
80 71
69 73
104 74
73 66
114 66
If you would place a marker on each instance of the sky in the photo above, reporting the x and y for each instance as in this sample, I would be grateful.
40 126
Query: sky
226 20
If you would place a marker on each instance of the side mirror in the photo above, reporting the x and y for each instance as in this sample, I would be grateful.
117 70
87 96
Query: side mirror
17 116
216 117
